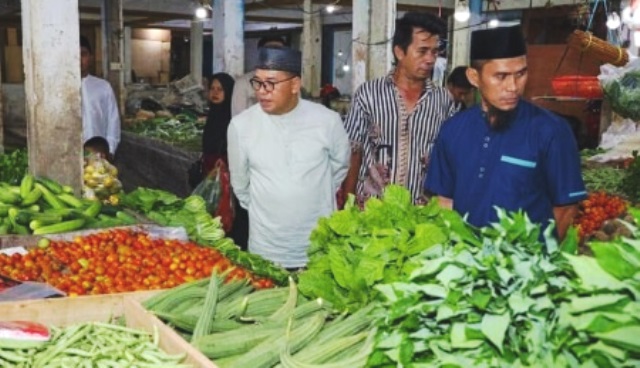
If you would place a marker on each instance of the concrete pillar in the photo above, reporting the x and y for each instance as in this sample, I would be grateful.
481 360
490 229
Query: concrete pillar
311 48
50 34
228 37
382 25
360 45
461 36
196 50
126 52
112 37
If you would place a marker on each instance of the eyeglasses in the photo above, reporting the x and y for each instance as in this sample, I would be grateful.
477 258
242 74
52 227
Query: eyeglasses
269 86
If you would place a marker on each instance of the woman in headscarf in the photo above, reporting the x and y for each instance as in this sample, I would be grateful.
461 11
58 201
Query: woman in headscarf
214 136
214 148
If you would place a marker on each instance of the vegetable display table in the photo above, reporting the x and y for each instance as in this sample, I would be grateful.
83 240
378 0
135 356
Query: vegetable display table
151 163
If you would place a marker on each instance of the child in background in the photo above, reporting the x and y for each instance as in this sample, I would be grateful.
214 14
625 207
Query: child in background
98 146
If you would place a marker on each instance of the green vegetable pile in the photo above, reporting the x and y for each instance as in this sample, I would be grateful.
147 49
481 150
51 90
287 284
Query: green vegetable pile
631 183
13 166
183 130
167 209
623 94
354 250
515 302
607 179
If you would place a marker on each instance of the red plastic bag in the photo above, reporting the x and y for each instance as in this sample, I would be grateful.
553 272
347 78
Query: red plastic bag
225 207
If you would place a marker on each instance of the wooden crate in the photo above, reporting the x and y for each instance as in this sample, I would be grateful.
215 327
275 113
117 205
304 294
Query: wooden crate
102 308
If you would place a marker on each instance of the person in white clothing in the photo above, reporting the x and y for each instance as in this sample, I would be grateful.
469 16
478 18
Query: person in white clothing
100 117
243 95
287 158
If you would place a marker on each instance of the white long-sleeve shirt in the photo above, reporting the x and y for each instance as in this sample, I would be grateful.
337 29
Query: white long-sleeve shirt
100 117
285 170
243 95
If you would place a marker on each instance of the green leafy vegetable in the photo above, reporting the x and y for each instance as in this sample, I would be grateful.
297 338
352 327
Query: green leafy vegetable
624 93
354 250
513 301
13 166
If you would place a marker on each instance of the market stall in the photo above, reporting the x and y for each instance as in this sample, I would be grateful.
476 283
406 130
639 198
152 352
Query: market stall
149 162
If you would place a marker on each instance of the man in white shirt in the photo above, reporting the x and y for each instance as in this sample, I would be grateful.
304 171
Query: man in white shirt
243 95
100 117
287 158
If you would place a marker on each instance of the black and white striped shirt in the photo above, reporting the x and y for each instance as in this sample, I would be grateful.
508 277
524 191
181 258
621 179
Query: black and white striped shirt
387 134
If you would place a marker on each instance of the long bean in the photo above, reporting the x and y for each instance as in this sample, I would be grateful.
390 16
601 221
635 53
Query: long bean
95 344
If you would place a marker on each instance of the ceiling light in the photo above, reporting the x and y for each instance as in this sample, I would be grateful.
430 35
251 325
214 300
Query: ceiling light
346 67
613 21
493 23
330 8
339 52
201 12
462 13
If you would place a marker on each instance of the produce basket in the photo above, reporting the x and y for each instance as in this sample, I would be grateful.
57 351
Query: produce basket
577 86
103 308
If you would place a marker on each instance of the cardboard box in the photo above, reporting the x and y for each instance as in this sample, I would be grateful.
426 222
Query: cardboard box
103 308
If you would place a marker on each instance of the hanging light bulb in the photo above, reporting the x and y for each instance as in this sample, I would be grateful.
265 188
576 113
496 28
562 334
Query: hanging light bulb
613 21
330 8
493 23
462 13
346 68
339 52
201 12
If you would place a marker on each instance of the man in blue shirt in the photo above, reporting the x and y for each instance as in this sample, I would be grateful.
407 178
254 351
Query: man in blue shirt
506 152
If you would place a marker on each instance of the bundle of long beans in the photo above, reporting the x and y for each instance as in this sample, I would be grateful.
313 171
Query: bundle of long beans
598 48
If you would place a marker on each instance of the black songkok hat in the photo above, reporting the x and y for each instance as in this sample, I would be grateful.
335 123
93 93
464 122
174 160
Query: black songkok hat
281 58
497 43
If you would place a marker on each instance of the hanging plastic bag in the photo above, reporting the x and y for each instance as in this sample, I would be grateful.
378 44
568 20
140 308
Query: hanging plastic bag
621 87
101 180
215 189
209 189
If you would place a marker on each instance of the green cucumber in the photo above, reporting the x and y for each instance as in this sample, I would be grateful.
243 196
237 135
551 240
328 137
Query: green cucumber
4 210
26 185
52 185
49 197
70 199
61 227
93 209
32 197
39 222
127 218
8 196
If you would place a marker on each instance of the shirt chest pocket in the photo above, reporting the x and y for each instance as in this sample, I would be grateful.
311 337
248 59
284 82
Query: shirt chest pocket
518 174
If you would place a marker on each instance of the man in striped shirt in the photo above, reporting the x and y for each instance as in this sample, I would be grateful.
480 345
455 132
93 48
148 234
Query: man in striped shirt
394 120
